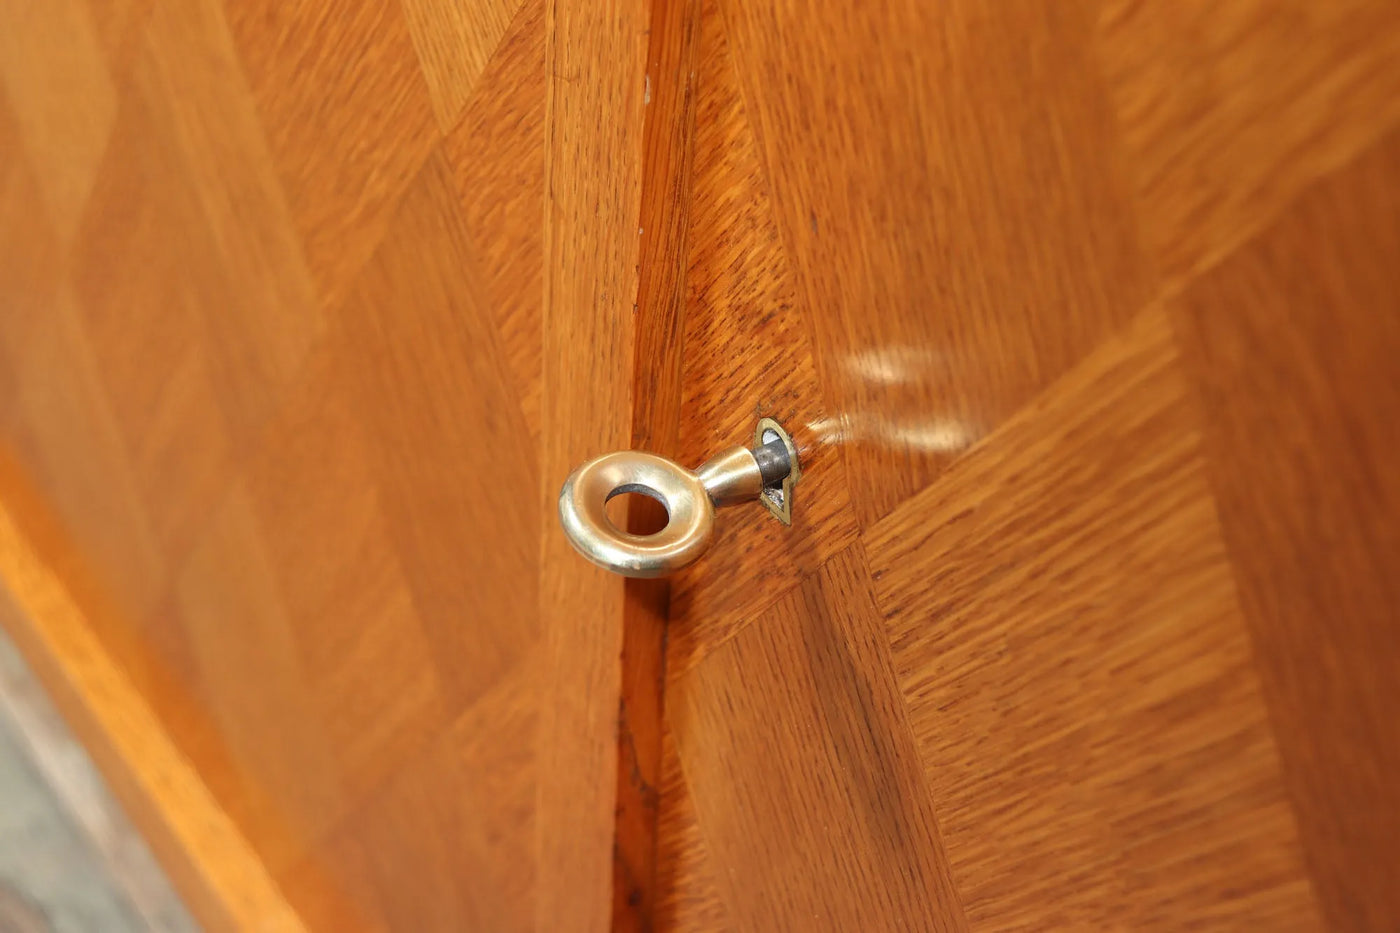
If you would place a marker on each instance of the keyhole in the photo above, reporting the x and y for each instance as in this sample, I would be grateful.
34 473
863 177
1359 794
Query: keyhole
637 510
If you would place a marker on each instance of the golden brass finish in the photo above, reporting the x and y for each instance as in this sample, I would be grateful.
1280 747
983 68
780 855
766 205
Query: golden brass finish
778 498
689 496
582 511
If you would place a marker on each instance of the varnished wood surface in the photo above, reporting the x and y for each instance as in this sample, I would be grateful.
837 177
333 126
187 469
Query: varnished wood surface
1226 114
594 55
960 195
1085 323
1309 505
1085 706
218 872
663 232
747 355
305 311
1082 314
775 731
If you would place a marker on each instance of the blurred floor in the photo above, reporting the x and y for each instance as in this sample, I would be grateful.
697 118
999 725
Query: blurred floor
70 861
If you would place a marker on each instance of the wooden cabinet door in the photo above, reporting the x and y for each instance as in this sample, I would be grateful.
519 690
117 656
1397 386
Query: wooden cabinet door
1083 314
1085 318
305 310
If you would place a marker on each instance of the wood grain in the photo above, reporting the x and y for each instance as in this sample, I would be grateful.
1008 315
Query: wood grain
62 430
211 862
1081 315
455 43
32 259
668 154
1077 670
803 770
688 898
346 114
62 98
595 57
967 232
118 24
258 319
955 258
417 326
747 356
1227 113
286 790
465 807
1293 341
497 153
275 335
668 148
146 266
378 689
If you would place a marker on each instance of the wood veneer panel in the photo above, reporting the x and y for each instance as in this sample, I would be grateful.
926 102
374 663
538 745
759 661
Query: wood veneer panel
595 57
1227 112
946 182
747 355
803 772
1079 676
1293 341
